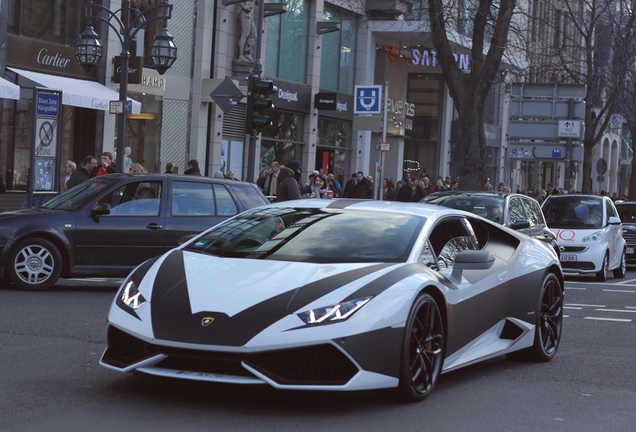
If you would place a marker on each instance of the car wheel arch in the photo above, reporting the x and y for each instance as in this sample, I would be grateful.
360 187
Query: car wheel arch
61 245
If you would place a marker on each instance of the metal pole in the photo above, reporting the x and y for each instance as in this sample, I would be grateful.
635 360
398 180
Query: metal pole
123 86
258 71
384 119
568 151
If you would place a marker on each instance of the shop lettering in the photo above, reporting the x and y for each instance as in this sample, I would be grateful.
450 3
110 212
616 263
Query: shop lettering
98 104
287 95
325 101
565 235
51 60
341 106
152 82
130 70
423 57
401 107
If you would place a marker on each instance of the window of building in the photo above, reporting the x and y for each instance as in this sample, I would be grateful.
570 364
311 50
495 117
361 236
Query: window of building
286 44
337 64
282 141
51 20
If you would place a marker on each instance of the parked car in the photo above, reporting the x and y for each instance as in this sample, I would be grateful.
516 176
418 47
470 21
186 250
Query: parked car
99 228
338 295
516 211
627 214
589 232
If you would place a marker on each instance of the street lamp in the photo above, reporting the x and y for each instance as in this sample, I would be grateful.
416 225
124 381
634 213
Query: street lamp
163 51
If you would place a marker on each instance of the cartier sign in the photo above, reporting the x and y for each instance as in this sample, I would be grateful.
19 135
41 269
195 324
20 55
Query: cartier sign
134 70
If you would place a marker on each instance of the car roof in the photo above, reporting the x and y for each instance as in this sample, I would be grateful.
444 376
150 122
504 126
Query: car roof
475 193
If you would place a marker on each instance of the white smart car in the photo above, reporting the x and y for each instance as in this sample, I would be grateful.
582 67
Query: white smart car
589 233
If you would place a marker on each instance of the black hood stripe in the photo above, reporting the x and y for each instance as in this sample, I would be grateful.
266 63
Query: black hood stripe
172 318
344 203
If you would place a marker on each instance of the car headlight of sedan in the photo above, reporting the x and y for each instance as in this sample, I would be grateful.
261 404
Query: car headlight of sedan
333 313
130 297
594 237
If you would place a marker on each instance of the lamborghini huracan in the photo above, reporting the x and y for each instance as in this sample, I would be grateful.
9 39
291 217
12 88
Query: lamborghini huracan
339 295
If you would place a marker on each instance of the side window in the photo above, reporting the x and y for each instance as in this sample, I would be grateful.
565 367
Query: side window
192 199
611 210
533 211
224 202
427 257
449 238
515 211
135 199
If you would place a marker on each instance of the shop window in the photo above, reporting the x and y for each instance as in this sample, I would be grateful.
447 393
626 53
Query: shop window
49 20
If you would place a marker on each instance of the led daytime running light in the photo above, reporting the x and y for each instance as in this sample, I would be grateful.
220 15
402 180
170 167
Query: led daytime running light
131 297
338 312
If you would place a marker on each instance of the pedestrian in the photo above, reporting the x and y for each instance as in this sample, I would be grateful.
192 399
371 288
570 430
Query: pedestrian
193 168
138 168
69 167
363 188
331 177
271 181
318 188
106 165
388 191
83 172
230 175
350 187
3 185
288 187
405 192
419 190
427 186
169 168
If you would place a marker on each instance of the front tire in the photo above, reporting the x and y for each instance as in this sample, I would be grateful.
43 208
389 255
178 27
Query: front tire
603 273
422 350
621 270
34 264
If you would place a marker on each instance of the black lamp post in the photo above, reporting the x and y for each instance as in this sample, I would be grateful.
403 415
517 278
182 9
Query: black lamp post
163 51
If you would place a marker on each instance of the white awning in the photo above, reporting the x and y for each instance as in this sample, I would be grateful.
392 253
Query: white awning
77 92
8 90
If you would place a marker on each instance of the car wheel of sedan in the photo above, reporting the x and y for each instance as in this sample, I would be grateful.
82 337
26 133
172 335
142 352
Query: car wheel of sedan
603 273
34 264
621 270
422 350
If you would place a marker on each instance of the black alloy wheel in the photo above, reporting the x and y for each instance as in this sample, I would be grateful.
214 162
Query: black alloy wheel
422 350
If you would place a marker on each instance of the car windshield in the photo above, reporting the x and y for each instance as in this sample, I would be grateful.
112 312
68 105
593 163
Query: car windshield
627 212
490 207
75 197
313 235
573 212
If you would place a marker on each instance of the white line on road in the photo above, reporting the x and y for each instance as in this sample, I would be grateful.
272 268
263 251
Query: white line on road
575 308
630 307
616 310
626 282
572 288
608 319
624 291
584 305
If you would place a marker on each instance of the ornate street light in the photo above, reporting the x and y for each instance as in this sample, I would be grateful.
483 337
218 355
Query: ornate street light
163 51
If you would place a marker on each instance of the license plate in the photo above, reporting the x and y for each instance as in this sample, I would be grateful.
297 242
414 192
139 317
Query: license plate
630 251
568 258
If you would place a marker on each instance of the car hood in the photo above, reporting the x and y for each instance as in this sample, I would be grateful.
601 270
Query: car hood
241 296
33 211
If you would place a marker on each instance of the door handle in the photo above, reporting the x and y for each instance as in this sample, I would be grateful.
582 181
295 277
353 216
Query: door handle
153 226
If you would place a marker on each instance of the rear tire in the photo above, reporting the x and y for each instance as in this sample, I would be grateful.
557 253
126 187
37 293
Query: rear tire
422 350
34 264
621 270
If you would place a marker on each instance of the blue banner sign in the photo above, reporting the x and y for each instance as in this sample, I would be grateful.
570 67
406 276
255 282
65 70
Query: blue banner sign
48 104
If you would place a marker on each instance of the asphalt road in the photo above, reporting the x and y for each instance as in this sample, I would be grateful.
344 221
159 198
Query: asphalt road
50 380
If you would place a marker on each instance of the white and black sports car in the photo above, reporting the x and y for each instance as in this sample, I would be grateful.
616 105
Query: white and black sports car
339 295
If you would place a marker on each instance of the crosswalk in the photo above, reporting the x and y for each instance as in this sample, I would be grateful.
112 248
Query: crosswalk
623 293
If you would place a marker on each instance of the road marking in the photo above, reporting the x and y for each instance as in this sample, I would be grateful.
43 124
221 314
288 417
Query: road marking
616 310
575 308
625 291
572 288
608 319
626 282
584 305
630 307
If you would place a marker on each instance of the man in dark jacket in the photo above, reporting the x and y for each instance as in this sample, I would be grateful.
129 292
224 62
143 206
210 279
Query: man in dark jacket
350 187
288 187
363 187
83 172
193 168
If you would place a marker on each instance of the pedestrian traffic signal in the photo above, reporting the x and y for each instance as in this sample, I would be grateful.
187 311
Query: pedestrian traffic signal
258 101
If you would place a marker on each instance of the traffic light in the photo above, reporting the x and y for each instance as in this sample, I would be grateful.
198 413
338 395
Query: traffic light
258 101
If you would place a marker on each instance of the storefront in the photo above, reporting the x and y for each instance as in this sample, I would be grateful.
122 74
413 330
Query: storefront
335 121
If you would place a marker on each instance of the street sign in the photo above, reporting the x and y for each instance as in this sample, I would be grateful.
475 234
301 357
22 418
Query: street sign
227 95
385 146
116 107
601 166
48 104
46 140
368 99
570 128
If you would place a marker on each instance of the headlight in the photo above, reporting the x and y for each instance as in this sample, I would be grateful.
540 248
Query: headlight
338 312
130 296
594 237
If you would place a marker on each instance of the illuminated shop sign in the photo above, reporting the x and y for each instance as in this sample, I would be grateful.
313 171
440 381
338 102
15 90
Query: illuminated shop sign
424 57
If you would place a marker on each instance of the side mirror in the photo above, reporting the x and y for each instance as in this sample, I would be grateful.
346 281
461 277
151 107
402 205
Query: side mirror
471 260
613 220
520 224
100 210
